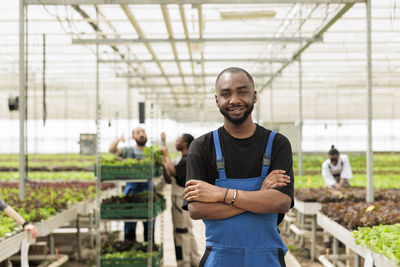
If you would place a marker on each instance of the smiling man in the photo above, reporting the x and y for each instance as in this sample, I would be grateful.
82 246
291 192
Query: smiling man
240 181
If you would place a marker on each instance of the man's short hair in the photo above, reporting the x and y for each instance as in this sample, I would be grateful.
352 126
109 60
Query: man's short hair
235 70
188 138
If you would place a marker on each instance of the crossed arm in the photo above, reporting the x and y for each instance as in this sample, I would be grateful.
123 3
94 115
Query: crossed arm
207 201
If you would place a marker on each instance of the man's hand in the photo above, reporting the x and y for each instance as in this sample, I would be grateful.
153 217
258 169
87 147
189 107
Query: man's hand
163 139
201 191
30 227
164 150
276 178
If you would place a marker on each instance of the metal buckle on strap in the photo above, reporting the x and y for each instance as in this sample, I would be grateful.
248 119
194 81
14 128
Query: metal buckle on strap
267 160
220 163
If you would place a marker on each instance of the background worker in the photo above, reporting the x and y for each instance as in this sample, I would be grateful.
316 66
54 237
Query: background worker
336 170
185 244
137 152
228 173
27 226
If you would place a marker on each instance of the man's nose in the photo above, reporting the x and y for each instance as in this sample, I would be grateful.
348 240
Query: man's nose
234 98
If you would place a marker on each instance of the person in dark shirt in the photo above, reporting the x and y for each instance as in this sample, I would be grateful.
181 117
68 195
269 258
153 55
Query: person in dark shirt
186 251
240 181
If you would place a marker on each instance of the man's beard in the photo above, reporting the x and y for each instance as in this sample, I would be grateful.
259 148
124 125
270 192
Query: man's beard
238 121
141 142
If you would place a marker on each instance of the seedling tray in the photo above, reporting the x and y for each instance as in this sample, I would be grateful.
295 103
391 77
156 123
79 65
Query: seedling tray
131 210
138 172
129 262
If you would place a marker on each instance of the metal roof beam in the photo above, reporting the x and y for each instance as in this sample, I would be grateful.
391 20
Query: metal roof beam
167 22
151 93
271 60
181 2
256 75
168 85
141 35
146 41
186 31
319 34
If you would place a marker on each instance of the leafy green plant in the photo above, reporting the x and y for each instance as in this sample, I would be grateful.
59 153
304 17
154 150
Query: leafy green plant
43 199
382 239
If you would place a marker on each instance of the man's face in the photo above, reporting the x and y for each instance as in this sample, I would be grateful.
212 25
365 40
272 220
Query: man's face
334 159
180 143
235 96
139 135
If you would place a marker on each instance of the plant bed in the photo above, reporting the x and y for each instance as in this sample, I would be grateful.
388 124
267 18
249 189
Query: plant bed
382 239
363 214
128 253
131 207
356 194
43 200
133 172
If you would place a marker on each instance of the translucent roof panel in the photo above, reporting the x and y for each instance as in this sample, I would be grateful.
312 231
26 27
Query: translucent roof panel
171 55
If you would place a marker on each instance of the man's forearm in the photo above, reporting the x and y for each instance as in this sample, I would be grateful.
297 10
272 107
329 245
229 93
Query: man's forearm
166 174
114 145
13 214
212 211
261 201
170 165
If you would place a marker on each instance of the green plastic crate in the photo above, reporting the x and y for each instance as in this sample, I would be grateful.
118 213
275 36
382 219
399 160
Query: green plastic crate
131 210
129 262
128 173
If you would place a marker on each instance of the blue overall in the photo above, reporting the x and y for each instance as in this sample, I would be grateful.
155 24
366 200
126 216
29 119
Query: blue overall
248 239
132 188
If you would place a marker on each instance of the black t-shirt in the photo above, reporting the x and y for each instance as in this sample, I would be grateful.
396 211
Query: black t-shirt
243 157
181 171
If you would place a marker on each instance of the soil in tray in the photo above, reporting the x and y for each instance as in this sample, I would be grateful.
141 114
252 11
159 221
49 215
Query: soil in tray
121 246
141 197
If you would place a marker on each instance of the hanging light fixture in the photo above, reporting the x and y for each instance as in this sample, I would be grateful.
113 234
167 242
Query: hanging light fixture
233 15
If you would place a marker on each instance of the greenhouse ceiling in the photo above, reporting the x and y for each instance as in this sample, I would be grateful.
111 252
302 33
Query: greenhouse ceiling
170 52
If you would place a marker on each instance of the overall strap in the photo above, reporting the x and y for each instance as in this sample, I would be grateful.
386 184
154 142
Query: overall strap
219 159
267 155
131 152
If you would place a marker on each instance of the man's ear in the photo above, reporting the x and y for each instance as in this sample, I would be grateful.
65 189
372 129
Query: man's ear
216 99
255 96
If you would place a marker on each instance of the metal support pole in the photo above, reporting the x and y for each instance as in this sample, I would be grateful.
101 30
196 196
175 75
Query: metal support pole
98 158
370 179
78 237
129 110
258 107
335 249
51 244
300 152
271 107
356 260
313 236
302 227
22 99
150 217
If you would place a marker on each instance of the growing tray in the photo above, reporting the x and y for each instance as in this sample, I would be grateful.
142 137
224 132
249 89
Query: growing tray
131 210
345 236
137 172
129 262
